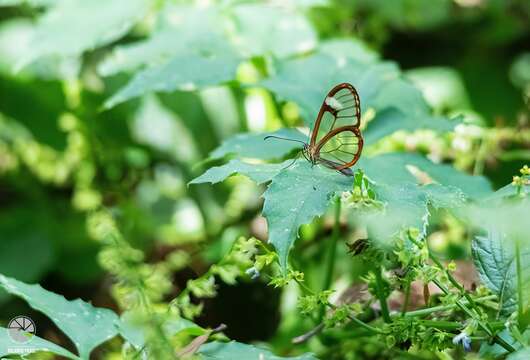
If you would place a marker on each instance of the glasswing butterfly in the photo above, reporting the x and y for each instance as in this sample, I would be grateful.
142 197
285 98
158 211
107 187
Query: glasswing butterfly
336 141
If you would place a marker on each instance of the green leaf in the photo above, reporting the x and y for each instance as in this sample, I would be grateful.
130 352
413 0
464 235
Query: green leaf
235 350
184 73
70 27
84 324
254 145
262 28
181 30
307 80
395 168
260 173
295 196
494 257
36 344
349 48
522 354
390 120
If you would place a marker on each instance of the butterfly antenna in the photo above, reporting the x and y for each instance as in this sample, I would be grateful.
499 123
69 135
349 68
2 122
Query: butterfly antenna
282 138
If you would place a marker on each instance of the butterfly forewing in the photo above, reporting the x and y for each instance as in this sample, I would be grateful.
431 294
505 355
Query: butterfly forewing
341 107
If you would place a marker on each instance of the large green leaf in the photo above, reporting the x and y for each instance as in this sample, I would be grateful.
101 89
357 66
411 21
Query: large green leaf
36 344
295 197
349 48
234 350
261 28
70 27
84 324
307 80
299 193
390 120
494 257
181 30
254 145
260 173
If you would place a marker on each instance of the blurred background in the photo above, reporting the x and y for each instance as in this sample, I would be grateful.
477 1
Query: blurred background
65 151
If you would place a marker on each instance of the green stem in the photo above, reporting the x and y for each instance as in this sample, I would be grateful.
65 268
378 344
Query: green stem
407 299
379 284
330 265
427 311
518 267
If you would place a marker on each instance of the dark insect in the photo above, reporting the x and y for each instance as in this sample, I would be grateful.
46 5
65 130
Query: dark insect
357 247
336 140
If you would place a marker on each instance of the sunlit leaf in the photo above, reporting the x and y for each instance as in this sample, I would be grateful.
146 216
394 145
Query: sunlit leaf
260 173
235 350
254 145
70 27
348 48
262 28
181 30
36 344
84 324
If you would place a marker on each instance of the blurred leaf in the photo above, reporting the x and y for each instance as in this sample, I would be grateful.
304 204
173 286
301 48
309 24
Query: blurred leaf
260 173
70 27
494 257
254 145
37 344
522 354
235 350
390 120
181 30
86 325
352 48
520 70
442 87
15 44
163 130
183 72
262 28
306 81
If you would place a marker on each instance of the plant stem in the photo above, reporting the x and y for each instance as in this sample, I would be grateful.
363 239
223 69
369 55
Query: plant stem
427 311
520 305
476 316
381 296
407 299
332 251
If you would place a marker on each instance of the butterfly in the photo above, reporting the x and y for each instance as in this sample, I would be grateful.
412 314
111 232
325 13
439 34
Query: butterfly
336 140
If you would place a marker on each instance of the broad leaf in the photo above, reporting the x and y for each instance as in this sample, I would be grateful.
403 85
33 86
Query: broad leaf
254 145
181 30
307 80
260 173
36 344
262 28
235 350
390 120
349 48
494 257
295 197
84 324
70 27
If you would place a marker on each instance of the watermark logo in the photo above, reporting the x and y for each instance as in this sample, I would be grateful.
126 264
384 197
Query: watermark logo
21 329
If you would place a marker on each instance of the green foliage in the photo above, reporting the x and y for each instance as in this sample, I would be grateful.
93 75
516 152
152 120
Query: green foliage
104 202
84 324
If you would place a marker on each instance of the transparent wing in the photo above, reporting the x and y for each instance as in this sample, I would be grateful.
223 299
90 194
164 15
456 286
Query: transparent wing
341 148
340 108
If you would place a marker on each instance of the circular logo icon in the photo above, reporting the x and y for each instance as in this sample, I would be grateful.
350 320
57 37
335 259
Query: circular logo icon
21 329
